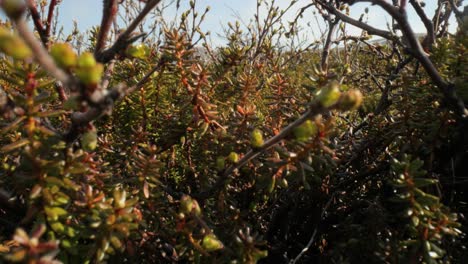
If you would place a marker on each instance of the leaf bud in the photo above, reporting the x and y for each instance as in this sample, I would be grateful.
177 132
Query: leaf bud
12 45
89 140
350 100
220 163
233 157
329 94
211 243
63 55
90 75
305 131
86 60
189 205
256 138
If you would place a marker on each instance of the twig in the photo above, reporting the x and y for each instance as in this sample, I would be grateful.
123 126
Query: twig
61 91
327 46
312 238
110 9
50 15
81 119
125 39
430 37
371 30
37 20
458 13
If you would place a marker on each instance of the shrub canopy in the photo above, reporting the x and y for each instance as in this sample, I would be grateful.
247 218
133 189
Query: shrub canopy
155 147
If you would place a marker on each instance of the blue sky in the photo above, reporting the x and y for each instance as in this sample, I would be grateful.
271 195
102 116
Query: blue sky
87 13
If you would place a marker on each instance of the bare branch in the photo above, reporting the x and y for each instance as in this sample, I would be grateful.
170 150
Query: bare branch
110 9
125 38
371 30
37 21
61 92
50 15
430 37
458 13
327 46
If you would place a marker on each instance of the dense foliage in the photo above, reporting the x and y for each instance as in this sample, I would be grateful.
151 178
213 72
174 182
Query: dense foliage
127 147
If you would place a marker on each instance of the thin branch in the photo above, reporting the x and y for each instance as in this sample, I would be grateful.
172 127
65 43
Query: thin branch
125 39
61 92
444 22
458 13
312 238
50 16
300 13
371 30
110 9
108 75
430 37
36 17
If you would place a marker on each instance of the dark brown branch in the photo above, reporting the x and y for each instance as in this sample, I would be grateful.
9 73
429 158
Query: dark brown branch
403 5
110 9
371 30
61 92
458 13
37 21
50 16
430 37
125 38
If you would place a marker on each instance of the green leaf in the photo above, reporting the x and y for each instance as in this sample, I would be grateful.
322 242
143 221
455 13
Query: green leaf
421 182
54 212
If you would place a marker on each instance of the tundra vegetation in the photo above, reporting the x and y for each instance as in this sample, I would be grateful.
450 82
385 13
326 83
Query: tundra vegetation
136 141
